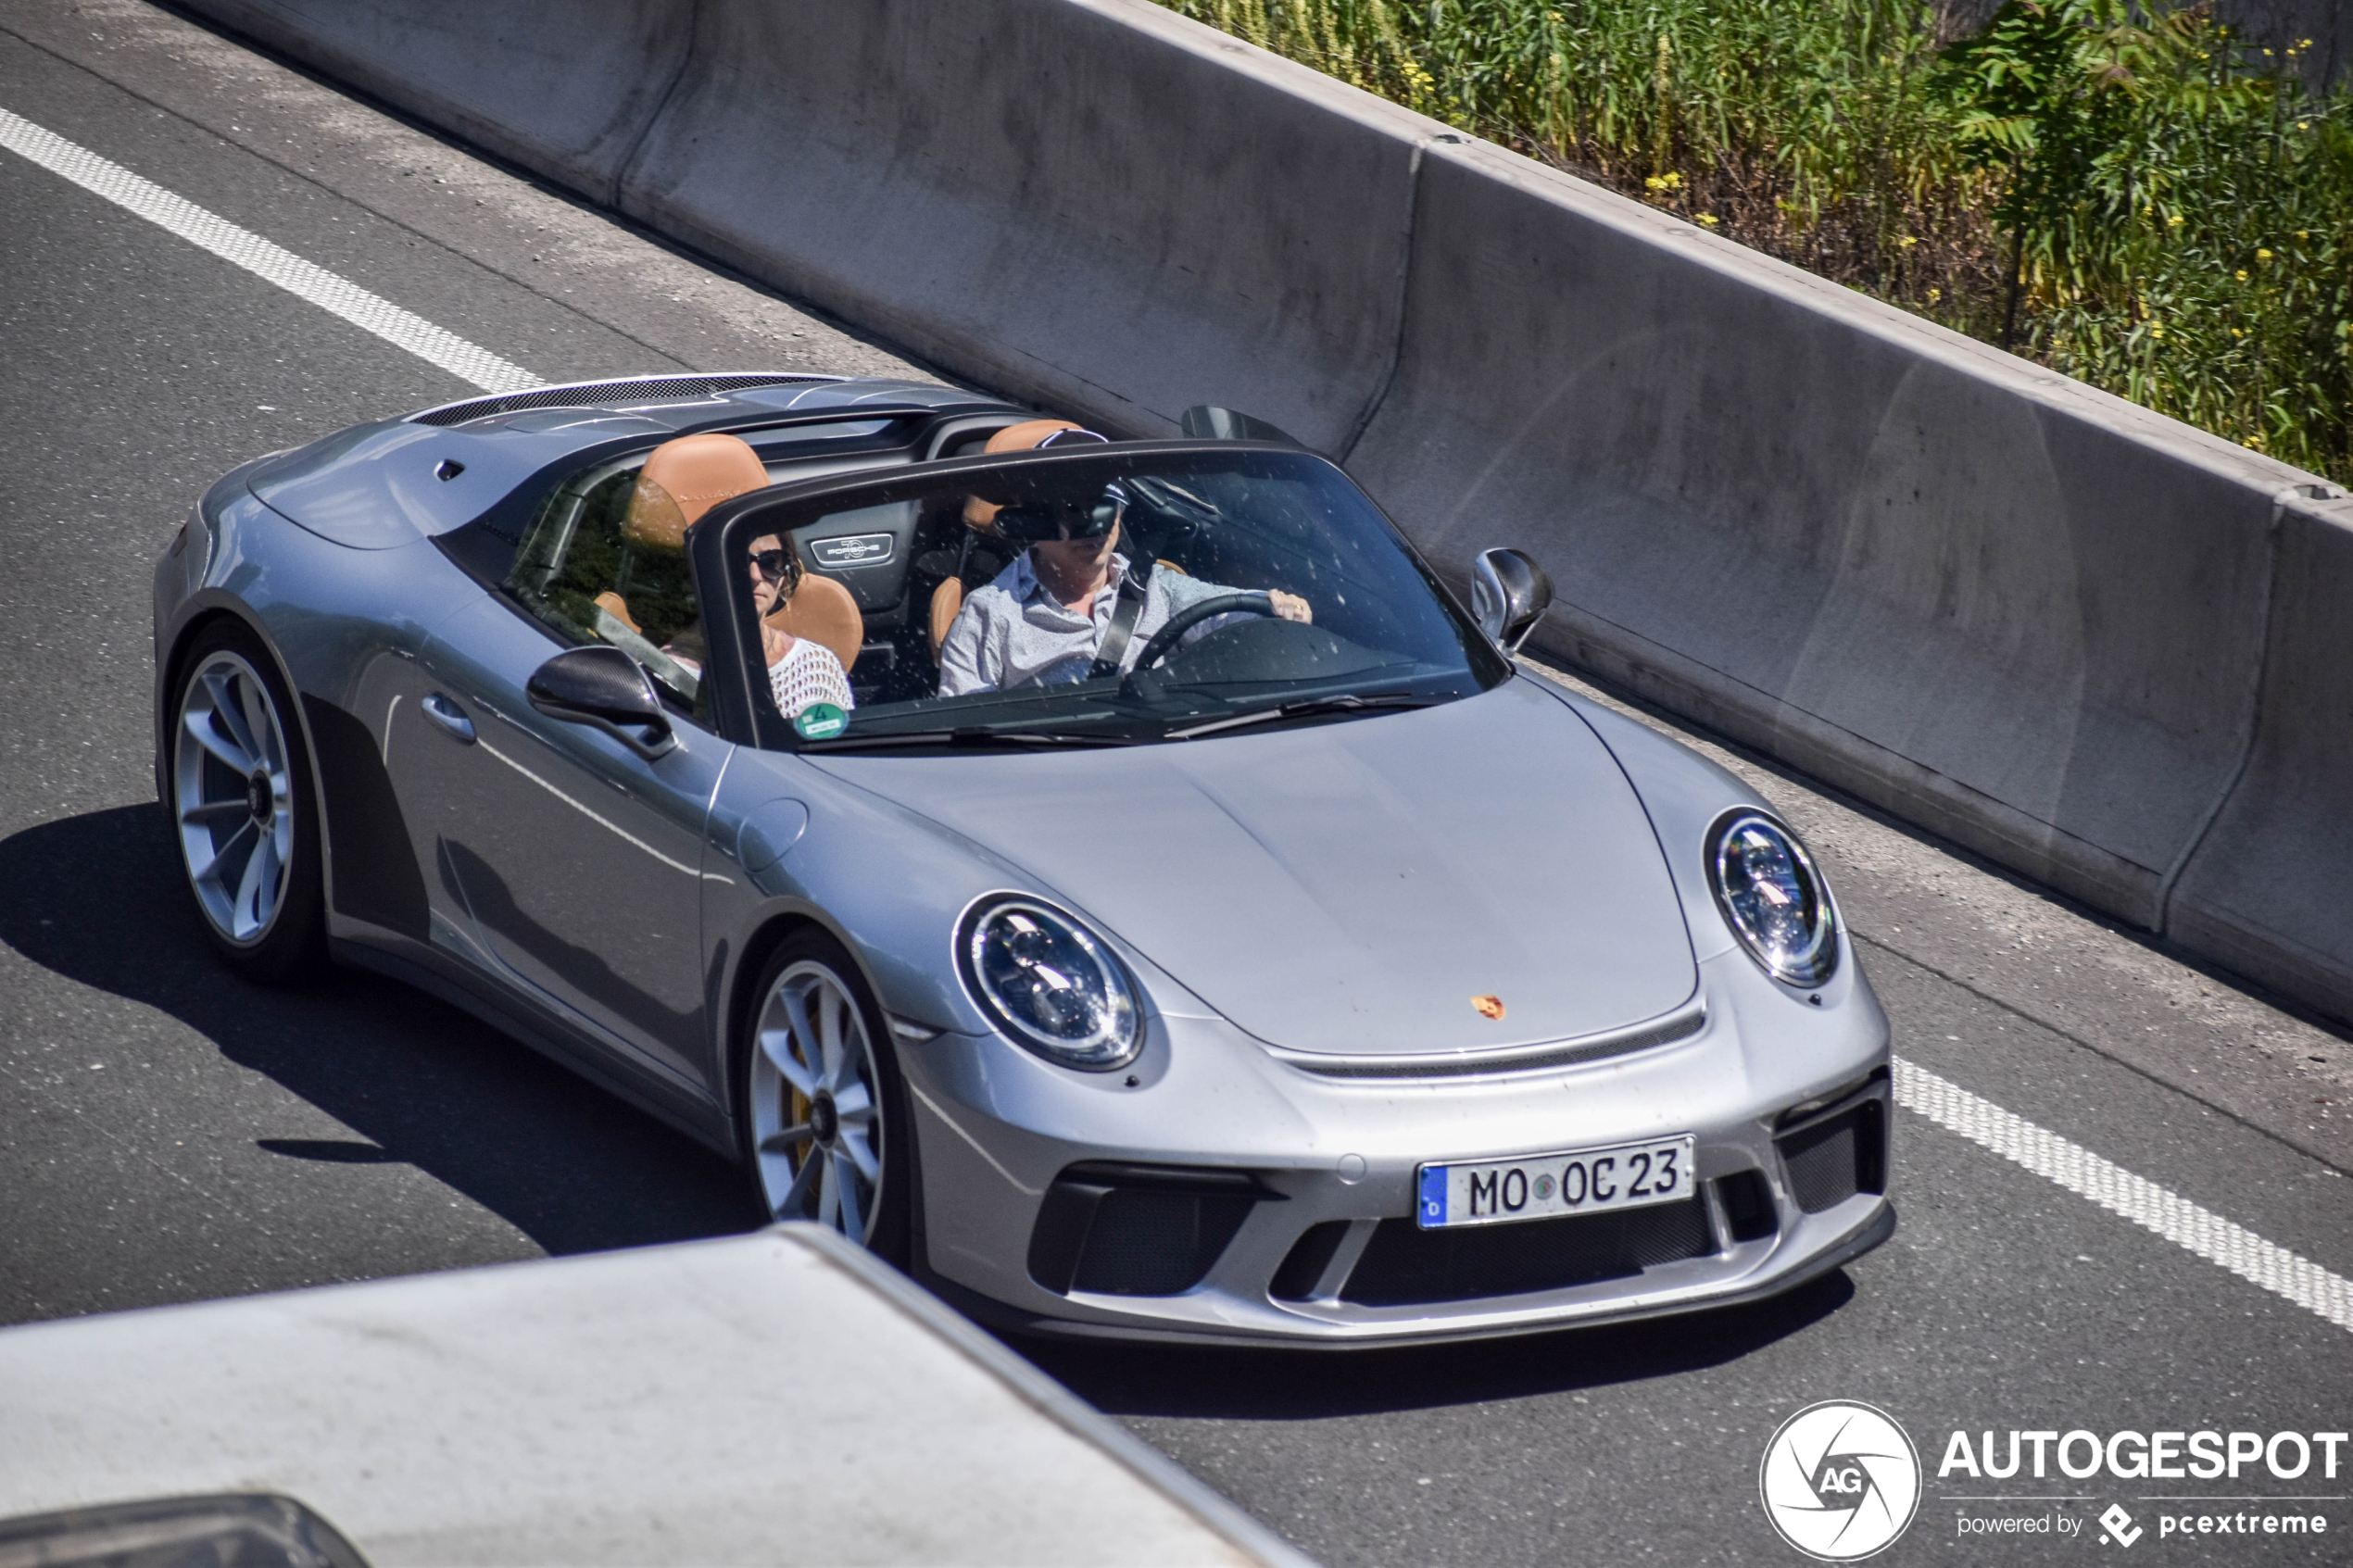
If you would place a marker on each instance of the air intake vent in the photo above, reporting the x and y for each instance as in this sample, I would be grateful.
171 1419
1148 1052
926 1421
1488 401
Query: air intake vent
640 389
1830 1161
1406 1266
1138 1230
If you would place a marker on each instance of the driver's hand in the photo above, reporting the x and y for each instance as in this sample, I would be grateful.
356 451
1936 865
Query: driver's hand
1291 607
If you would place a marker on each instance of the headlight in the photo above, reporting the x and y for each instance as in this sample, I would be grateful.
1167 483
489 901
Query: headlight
1772 898
1051 984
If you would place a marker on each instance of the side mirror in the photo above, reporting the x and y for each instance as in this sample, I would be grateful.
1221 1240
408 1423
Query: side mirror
1205 423
604 688
1509 593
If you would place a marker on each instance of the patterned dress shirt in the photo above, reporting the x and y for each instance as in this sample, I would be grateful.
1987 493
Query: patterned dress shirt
1012 632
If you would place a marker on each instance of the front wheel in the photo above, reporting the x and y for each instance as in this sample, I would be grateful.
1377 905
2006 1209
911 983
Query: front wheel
825 1120
243 809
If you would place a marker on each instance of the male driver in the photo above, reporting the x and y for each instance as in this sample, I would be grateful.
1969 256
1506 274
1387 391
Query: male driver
1046 619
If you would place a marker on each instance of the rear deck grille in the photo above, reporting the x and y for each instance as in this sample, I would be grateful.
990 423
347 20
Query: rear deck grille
637 390
1404 1265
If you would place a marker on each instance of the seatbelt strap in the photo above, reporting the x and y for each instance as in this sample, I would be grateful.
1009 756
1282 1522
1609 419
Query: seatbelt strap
1122 628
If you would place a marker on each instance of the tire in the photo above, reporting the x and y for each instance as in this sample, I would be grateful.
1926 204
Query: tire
244 808
824 1126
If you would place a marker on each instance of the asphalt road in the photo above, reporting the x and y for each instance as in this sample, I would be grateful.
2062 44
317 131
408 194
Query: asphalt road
169 1133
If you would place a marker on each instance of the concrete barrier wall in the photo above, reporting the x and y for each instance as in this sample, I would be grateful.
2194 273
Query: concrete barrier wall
1944 579
2020 612
2268 892
567 91
1100 207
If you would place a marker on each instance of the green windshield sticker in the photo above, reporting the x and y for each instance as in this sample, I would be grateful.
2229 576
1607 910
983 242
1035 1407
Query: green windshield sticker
820 720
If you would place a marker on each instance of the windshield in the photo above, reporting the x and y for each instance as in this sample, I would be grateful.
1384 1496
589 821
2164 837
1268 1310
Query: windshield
1112 595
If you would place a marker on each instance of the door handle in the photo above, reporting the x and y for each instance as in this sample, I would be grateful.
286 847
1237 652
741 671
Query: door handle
449 716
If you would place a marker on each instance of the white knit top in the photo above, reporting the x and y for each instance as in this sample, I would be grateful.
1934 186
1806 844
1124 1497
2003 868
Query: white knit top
808 673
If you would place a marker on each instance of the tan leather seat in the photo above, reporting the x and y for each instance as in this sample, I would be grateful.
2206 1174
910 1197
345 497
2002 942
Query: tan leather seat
683 479
947 603
948 599
979 514
822 611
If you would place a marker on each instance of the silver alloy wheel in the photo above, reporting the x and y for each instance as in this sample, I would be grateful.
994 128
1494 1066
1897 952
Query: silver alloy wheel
232 794
816 1103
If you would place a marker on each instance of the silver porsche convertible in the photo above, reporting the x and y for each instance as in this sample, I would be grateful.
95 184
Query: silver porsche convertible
1249 952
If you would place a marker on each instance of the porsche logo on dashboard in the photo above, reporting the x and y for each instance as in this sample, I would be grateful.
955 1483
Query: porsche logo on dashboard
1488 1007
853 550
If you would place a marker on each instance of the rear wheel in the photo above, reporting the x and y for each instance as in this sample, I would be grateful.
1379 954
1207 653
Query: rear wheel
824 1113
243 810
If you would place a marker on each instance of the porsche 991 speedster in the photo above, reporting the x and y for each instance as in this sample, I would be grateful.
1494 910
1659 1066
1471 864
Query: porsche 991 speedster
1117 880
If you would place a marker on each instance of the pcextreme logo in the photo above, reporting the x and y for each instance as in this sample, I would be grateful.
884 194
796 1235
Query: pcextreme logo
1840 1481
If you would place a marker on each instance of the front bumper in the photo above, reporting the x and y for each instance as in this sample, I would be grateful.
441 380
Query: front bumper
1300 1224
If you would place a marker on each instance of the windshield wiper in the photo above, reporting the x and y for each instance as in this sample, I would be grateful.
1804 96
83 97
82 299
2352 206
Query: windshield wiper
1346 702
964 735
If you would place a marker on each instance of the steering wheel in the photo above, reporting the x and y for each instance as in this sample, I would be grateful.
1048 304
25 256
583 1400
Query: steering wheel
1164 641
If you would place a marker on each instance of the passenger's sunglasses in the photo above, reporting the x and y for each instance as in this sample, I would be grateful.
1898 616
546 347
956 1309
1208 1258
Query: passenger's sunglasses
778 566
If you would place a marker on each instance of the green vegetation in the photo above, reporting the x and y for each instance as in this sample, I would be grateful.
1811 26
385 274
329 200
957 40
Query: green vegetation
2133 197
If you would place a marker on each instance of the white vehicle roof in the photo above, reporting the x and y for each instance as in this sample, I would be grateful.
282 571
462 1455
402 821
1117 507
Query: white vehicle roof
774 1398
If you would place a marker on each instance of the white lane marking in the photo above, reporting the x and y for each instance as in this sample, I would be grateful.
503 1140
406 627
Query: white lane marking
2111 1187
265 259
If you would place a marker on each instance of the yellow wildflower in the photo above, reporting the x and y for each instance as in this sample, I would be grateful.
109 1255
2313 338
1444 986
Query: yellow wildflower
1708 219
1908 241
2240 274
2174 221
2262 255
1935 295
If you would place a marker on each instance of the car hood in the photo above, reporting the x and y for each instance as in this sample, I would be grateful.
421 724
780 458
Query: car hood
1350 887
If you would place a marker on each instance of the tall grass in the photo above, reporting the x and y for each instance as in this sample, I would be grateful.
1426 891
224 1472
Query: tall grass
2129 194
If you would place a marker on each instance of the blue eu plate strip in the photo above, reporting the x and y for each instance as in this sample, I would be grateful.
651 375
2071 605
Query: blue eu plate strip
1433 1195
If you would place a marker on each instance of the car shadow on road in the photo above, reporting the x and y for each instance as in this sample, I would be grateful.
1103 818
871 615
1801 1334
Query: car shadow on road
98 899
1253 1385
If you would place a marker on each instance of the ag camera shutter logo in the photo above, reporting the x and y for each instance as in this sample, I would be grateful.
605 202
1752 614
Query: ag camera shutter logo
1840 1481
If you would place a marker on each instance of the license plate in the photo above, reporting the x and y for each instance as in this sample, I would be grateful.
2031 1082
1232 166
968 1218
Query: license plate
1545 1186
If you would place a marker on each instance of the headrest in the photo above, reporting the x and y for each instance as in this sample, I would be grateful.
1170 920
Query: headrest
1022 437
683 479
823 611
1026 434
